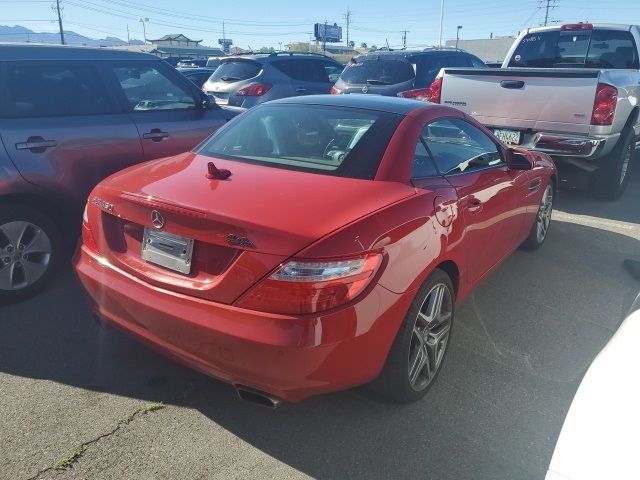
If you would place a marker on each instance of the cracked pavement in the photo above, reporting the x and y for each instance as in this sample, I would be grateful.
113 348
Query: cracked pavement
520 347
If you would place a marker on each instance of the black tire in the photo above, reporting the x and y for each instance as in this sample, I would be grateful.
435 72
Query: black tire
394 380
15 279
610 180
540 228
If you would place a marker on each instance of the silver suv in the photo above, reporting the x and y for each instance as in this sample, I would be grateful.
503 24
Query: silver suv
247 80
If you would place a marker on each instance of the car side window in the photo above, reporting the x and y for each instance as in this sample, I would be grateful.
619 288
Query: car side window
147 88
457 60
423 165
427 67
333 71
457 146
48 90
476 62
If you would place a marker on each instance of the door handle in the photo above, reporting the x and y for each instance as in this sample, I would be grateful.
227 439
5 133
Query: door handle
155 135
512 84
474 205
301 90
36 144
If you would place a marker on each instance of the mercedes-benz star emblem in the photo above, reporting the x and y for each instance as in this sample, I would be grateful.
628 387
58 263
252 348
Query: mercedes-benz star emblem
157 220
365 89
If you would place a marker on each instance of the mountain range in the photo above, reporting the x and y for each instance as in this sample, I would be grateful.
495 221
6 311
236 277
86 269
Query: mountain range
18 33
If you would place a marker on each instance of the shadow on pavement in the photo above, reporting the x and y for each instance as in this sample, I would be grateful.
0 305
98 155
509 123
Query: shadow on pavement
521 345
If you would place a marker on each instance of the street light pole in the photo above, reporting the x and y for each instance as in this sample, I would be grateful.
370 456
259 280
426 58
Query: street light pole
441 18
458 34
144 28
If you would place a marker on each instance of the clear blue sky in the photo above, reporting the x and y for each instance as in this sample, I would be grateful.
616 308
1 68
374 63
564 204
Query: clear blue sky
258 23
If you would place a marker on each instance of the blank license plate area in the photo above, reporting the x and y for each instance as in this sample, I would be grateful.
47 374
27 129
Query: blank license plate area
510 137
167 250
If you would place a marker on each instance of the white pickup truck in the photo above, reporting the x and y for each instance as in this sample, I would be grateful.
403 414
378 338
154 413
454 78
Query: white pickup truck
572 91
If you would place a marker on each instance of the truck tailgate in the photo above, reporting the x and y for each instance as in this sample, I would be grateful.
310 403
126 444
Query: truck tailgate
524 98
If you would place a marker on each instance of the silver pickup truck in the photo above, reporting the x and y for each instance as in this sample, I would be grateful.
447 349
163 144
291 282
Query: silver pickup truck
571 91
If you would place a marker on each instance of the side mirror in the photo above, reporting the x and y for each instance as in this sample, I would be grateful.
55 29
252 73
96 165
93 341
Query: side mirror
206 102
519 159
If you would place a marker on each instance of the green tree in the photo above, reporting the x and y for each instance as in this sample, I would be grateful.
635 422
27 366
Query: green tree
363 45
266 50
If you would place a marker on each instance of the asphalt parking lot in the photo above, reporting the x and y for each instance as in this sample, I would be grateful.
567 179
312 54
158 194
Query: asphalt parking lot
521 344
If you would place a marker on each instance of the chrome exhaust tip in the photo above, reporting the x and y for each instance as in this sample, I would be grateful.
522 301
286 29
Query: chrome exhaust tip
257 397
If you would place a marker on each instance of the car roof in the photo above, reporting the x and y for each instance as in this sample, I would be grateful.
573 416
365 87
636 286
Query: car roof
278 56
400 106
12 51
408 53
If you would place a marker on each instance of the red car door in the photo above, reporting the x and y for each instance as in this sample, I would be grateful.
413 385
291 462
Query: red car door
473 164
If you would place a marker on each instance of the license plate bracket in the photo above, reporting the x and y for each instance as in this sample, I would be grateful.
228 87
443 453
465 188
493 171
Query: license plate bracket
510 137
167 250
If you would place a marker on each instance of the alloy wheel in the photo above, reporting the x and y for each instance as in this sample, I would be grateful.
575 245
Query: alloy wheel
544 214
25 254
430 336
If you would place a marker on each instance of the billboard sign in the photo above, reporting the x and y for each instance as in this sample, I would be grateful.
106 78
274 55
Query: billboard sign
327 33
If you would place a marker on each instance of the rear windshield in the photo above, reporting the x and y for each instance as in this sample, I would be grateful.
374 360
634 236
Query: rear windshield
576 49
213 62
378 72
344 142
235 71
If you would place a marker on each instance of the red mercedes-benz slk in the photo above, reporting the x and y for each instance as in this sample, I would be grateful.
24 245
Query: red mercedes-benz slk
313 244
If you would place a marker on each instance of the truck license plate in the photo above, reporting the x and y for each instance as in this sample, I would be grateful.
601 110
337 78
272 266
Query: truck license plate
510 137
167 250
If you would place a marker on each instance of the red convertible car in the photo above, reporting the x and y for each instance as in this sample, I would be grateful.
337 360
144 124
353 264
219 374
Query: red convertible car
313 244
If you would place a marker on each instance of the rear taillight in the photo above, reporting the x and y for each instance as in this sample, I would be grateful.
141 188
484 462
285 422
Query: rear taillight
334 91
87 236
311 286
432 94
576 26
604 106
418 94
254 90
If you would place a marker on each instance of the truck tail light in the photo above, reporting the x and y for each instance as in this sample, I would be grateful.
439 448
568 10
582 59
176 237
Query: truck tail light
87 235
604 106
254 90
577 26
418 94
434 92
334 91
310 286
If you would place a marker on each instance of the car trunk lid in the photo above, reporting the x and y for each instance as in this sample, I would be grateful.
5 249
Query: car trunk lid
242 227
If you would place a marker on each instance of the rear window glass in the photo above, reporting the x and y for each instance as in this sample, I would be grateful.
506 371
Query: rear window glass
309 70
235 71
345 142
576 49
378 72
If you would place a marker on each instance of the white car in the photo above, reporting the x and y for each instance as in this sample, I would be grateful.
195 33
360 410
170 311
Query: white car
600 438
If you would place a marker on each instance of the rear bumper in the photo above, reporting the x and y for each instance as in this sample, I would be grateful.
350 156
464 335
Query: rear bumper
287 357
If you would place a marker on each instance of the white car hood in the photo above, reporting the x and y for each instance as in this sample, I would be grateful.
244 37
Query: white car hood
600 438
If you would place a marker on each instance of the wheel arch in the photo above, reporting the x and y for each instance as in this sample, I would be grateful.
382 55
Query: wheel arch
61 213
451 268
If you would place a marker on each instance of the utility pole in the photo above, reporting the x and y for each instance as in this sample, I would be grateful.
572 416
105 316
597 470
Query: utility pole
347 17
547 5
144 28
60 22
128 37
324 39
441 18
404 38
